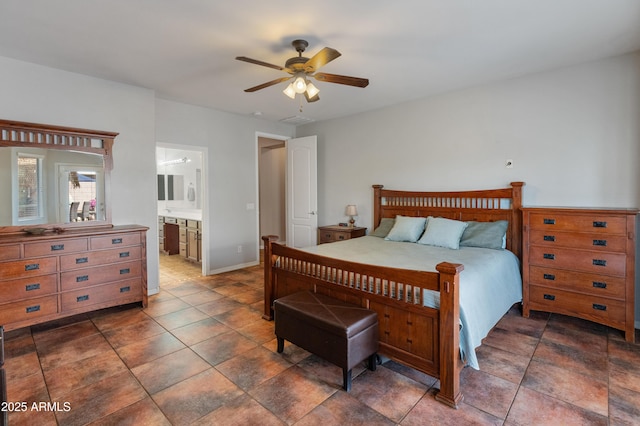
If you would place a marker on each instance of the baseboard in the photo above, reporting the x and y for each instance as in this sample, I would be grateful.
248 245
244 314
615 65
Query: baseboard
233 268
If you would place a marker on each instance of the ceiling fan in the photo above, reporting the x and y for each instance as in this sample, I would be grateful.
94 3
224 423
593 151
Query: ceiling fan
301 68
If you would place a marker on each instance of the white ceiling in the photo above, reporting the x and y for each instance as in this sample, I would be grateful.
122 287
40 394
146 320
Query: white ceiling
184 49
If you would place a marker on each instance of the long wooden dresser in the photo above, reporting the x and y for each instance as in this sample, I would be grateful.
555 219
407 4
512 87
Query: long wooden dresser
581 262
50 276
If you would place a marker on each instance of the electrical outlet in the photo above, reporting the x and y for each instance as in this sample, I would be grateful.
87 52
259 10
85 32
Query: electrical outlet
239 249
508 164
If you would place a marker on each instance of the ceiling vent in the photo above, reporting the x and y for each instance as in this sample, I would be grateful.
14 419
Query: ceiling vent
297 120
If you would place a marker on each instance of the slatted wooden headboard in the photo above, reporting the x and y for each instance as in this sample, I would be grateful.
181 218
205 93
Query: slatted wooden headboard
479 205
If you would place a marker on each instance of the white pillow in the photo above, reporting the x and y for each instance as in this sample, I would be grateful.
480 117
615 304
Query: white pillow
443 232
406 228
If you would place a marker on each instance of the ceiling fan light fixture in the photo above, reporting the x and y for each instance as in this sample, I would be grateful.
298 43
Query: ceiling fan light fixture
300 85
290 91
312 90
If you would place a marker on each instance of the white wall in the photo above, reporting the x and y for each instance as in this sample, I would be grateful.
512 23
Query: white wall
231 179
573 134
39 94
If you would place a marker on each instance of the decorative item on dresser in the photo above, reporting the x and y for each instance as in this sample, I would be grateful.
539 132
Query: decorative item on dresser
581 262
333 233
50 266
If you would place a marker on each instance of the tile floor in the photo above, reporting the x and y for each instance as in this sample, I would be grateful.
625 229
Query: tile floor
201 354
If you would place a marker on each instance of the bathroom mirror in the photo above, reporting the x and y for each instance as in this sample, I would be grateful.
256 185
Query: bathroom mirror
59 176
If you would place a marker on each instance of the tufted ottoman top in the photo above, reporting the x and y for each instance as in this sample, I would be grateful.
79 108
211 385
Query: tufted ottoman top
333 315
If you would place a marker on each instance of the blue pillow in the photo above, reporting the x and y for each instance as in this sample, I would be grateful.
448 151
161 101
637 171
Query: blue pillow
407 228
443 232
386 223
485 234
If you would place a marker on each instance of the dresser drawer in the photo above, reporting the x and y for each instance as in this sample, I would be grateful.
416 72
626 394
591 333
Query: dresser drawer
10 252
605 311
596 223
100 274
56 247
589 241
116 240
594 284
24 288
578 260
123 290
29 267
327 236
27 309
101 257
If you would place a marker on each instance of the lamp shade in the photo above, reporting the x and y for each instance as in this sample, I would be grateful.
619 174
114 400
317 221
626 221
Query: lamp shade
299 85
352 210
290 91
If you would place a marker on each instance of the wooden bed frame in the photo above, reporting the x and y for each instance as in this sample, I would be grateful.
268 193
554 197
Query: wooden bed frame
420 337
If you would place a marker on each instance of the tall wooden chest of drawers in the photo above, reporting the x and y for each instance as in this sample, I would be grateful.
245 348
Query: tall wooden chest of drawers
581 262
50 276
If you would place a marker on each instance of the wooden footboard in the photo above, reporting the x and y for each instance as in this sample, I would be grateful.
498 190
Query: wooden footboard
420 337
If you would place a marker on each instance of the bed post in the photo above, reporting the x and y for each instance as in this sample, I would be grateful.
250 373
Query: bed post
450 363
268 277
516 219
377 202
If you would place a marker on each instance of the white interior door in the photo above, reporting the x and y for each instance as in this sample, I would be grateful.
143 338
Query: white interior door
302 192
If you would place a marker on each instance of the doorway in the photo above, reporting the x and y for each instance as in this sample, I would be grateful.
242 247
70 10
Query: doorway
182 208
272 163
287 189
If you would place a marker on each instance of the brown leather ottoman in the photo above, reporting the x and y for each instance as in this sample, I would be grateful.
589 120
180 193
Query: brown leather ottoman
336 331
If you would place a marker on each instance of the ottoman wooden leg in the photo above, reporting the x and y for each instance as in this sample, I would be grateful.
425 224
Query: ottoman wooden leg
346 379
373 362
280 344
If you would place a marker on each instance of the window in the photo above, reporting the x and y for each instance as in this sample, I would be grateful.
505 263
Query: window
30 189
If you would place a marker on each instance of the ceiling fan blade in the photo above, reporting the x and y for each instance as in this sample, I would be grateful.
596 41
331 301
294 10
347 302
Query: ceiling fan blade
257 62
313 99
267 84
341 79
320 59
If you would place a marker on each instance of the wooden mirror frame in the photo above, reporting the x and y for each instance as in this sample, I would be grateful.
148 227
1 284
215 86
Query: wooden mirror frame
33 135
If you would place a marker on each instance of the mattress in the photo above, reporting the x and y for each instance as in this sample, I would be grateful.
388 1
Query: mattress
490 283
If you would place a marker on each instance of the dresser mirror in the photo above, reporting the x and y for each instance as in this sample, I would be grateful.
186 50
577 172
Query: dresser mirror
57 177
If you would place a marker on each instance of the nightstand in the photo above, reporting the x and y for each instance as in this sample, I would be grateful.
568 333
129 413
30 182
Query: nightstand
333 233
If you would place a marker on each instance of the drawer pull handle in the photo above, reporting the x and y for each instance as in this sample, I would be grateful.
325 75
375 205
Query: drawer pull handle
57 247
602 243
549 238
34 308
116 241
599 307
599 224
409 341
549 277
124 271
82 298
549 297
549 256
32 267
124 254
82 278
31 287
598 284
341 237
125 289
599 262
549 221
80 260
386 315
